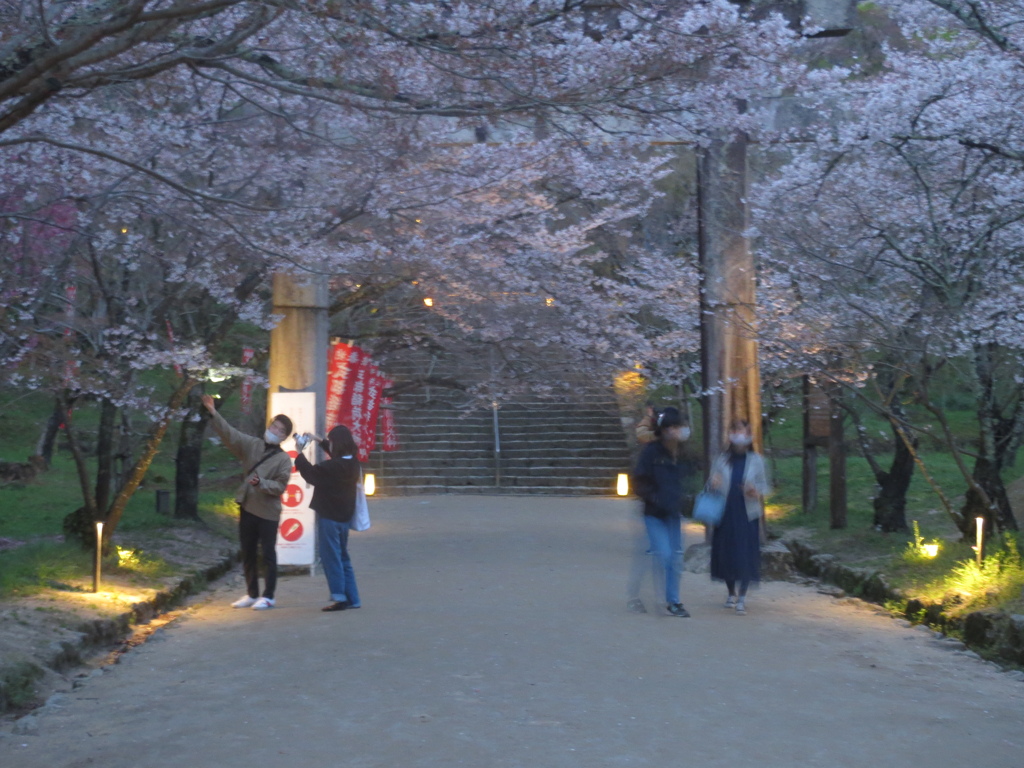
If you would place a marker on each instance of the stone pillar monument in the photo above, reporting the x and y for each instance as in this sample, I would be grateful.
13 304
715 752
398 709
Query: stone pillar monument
298 343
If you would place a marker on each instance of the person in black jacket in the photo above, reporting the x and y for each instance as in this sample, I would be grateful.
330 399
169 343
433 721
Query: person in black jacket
334 501
661 479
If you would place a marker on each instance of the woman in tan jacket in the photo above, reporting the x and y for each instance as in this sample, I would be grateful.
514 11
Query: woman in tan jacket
268 470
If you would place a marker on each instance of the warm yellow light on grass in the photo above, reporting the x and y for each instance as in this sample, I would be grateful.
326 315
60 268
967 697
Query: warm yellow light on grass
917 550
126 558
428 301
622 484
369 484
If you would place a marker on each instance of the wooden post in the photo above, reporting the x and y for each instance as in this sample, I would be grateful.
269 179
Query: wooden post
817 426
731 377
298 343
837 464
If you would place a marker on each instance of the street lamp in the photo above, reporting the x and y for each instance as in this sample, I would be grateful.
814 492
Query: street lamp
98 559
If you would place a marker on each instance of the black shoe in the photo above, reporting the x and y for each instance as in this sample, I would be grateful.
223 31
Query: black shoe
676 609
342 606
636 605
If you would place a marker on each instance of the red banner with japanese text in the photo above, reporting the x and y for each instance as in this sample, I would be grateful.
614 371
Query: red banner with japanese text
354 392
375 387
342 363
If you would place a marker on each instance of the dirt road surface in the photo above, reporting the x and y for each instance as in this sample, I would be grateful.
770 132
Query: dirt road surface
494 634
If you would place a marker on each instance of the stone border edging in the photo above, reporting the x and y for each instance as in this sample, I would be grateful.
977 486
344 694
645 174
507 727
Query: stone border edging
92 633
998 633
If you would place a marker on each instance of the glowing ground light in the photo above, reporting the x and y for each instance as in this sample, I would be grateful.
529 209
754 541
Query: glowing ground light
931 550
622 484
99 558
429 302
369 484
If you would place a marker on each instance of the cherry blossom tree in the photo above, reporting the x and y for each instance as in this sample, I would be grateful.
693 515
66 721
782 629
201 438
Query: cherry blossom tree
900 248
484 149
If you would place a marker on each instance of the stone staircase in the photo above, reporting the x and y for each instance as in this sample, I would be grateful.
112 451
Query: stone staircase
447 445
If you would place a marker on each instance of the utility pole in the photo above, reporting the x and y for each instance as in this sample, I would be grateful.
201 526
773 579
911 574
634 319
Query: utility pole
731 376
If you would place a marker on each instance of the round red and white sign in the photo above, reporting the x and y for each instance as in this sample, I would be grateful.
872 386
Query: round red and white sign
291 529
292 496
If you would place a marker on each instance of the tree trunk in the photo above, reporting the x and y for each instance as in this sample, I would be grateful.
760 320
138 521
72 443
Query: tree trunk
187 461
999 517
995 446
149 451
105 453
891 502
837 501
48 439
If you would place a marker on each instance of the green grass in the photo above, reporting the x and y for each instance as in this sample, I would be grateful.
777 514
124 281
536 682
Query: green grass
37 508
952 572
41 565
34 511
17 685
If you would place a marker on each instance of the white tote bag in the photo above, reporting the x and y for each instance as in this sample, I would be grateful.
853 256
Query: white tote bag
361 517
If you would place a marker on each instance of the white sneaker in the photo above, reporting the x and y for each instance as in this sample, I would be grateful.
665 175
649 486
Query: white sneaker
741 608
262 604
243 602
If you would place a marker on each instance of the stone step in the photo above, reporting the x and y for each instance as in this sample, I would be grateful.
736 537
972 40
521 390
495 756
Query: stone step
571 447
562 490
566 489
441 451
487 479
519 445
396 462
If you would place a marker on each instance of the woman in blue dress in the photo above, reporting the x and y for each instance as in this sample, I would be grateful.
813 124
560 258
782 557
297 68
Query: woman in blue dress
740 473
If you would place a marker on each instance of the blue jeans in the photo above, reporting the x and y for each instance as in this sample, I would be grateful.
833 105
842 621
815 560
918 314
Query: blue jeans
666 540
333 543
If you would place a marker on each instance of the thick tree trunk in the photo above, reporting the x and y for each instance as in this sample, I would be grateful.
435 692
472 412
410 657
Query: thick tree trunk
105 453
837 501
189 456
891 502
999 516
998 439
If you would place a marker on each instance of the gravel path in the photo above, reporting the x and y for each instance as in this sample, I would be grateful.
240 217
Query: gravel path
493 634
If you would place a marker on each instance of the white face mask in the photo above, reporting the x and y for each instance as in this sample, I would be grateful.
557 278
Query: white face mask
684 433
271 437
740 438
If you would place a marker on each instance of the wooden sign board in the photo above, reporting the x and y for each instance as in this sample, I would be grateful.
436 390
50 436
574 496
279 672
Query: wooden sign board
817 414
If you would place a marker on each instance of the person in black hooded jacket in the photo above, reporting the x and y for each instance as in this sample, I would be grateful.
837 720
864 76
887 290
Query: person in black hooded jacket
661 480
334 501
